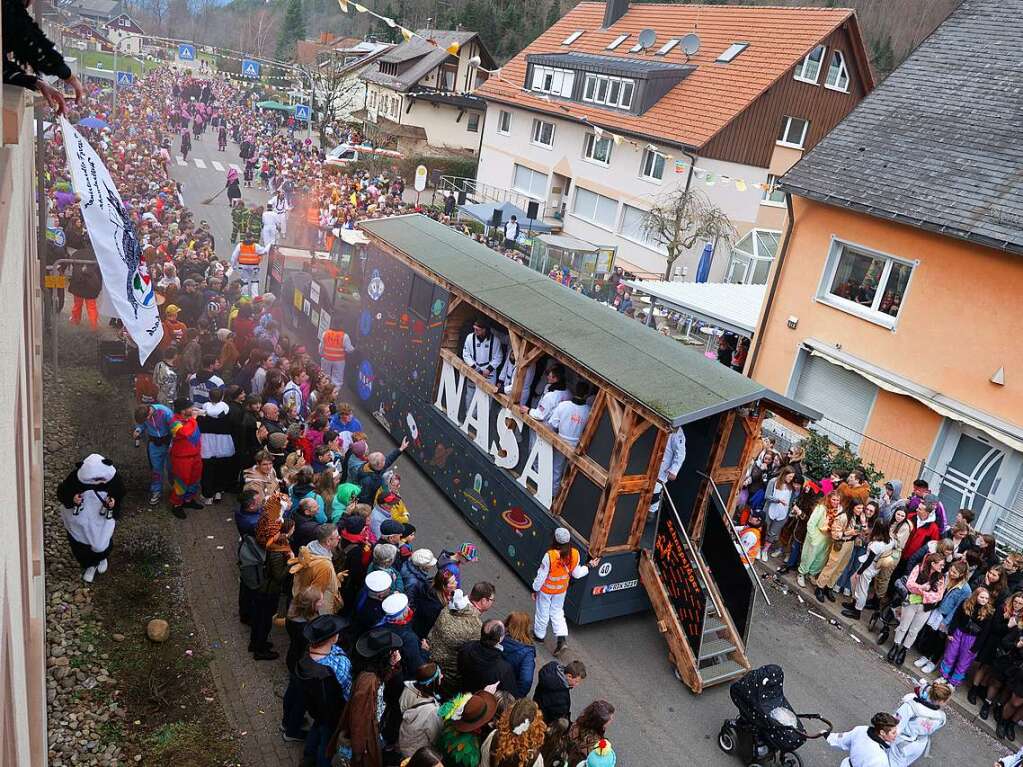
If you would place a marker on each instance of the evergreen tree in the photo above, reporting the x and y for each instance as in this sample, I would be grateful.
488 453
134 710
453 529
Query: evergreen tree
553 13
882 56
292 29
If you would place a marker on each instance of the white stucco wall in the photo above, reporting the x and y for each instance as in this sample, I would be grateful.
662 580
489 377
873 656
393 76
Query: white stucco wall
620 180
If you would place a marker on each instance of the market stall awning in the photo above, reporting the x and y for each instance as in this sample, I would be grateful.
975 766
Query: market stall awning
484 212
726 305
275 105
567 242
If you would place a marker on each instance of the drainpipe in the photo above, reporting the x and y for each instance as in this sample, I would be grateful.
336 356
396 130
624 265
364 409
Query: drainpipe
689 181
769 299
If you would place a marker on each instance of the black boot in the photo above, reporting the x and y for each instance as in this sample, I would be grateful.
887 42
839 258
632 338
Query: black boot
178 512
1010 730
818 592
872 604
884 634
851 612
1000 728
849 604
829 594
561 645
973 693
892 652
901 657
985 710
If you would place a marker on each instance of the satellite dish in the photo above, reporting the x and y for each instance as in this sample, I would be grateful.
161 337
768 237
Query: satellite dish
691 44
647 38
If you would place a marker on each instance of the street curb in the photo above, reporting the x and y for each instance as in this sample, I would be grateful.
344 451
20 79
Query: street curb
869 640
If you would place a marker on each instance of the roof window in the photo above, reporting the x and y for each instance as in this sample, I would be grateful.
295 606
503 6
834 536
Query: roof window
731 52
572 37
617 41
666 48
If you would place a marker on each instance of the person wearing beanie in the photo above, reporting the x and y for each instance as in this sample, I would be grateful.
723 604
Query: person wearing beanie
356 456
388 532
558 567
416 572
602 755
385 502
451 561
173 328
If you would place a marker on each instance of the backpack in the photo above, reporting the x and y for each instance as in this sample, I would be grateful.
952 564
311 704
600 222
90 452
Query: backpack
252 564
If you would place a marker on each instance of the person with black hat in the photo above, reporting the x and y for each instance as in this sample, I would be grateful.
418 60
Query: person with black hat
353 556
358 733
325 674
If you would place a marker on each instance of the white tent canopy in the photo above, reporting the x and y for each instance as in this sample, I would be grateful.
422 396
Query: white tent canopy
731 307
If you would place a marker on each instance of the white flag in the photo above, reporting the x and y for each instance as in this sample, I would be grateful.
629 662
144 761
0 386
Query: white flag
126 280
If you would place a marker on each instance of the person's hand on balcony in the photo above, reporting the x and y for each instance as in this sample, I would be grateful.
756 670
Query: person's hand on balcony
77 87
53 97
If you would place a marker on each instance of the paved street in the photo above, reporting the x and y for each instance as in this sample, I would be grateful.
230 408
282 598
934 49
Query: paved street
658 721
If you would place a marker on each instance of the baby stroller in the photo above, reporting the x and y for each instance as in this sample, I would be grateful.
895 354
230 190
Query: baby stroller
886 617
767 730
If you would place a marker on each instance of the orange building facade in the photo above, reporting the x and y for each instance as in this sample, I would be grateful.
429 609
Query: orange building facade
910 344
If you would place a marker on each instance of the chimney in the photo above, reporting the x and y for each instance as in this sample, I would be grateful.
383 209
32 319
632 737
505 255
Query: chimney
614 10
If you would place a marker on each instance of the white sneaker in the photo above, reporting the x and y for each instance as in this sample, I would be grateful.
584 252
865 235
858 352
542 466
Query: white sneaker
89 575
205 501
776 553
928 668
921 661
102 567
801 580
218 497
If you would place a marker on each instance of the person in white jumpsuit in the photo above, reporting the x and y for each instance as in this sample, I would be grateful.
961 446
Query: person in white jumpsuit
554 393
508 378
551 585
271 226
248 275
867 746
568 420
671 464
920 716
279 205
483 352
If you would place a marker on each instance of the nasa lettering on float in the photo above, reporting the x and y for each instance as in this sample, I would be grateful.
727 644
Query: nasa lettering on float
503 447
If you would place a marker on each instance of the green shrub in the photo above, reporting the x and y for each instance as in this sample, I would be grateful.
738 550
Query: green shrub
821 457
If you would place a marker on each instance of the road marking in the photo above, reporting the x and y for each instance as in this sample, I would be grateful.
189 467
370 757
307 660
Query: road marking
234 167
217 166
199 163
181 160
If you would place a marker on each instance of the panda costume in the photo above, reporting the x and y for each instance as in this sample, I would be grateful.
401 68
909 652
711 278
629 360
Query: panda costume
91 496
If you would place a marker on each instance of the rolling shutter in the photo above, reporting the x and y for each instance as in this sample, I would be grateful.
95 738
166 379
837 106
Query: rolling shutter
844 398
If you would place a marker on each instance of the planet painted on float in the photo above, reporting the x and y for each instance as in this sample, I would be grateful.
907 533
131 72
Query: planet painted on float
437 308
517 519
366 378
375 287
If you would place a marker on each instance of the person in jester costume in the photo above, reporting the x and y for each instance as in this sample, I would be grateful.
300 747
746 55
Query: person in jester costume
185 458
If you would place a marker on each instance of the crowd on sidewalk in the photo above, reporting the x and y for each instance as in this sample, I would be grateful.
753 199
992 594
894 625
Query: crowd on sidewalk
392 651
918 576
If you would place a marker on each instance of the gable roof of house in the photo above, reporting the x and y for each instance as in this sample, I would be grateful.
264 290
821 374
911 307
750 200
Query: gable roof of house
937 145
677 383
115 23
714 94
429 56
108 8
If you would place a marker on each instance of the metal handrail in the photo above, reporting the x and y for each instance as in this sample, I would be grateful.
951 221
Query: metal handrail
735 534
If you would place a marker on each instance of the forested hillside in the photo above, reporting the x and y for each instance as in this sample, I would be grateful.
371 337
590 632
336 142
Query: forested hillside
892 28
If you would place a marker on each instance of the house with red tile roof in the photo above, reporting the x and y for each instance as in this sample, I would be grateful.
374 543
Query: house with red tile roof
617 106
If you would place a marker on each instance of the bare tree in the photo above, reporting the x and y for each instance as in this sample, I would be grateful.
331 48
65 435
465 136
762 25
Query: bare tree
682 218
335 87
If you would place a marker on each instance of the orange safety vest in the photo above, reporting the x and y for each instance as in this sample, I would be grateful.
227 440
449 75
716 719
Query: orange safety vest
248 256
334 345
559 576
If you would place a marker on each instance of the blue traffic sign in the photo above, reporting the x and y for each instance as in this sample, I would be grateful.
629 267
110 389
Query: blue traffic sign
186 52
302 112
250 68
125 78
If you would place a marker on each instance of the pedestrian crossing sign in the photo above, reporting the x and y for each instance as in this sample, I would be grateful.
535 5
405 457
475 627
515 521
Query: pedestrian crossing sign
302 112
186 52
125 78
250 68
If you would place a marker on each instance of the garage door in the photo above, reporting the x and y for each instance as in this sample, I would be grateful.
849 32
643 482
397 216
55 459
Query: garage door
844 398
